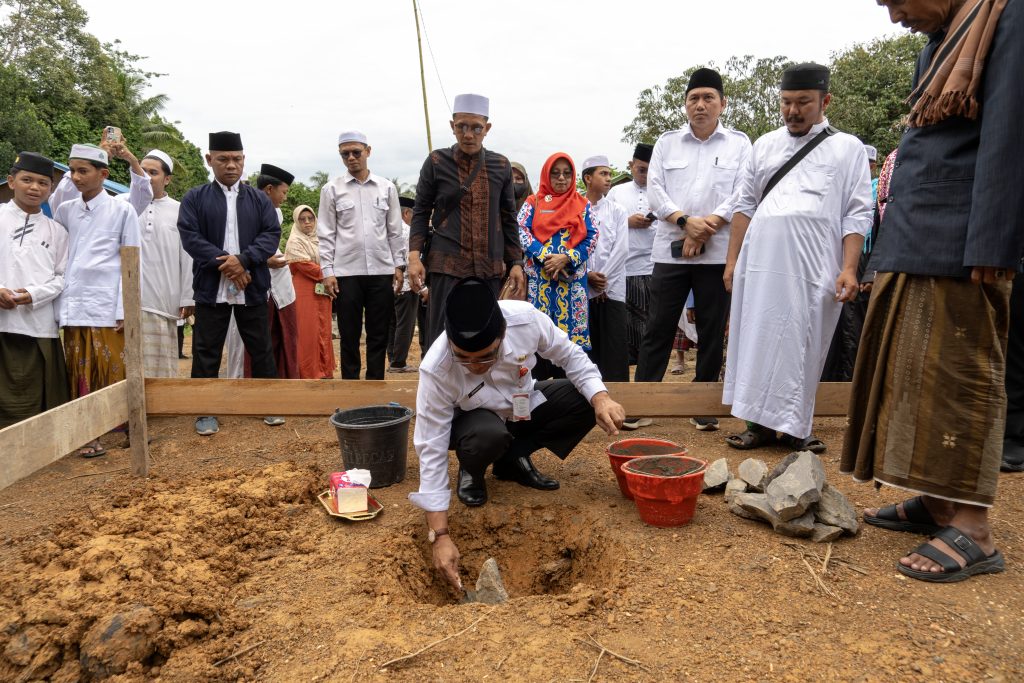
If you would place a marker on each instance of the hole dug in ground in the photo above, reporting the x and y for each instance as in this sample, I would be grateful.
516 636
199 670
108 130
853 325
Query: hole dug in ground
540 551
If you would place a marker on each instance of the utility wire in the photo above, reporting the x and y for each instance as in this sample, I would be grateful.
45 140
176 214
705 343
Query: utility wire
437 72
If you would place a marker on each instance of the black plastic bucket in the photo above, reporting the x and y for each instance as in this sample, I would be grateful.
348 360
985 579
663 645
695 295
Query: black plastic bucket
374 438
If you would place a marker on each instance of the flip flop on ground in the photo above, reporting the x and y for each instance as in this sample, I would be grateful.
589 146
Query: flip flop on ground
910 516
975 559
751 439
93 450
811 443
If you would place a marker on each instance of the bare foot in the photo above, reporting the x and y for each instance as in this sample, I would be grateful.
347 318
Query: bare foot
971 520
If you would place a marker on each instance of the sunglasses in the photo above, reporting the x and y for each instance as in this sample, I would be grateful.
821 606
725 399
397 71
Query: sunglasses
354 153
561 174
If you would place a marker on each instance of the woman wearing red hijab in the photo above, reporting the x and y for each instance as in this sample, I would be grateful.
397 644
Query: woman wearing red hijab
558 237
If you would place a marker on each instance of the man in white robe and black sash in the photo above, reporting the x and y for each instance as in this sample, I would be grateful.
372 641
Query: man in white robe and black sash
793 254
33 255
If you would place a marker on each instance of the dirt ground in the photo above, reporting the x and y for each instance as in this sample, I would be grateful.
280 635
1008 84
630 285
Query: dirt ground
224 551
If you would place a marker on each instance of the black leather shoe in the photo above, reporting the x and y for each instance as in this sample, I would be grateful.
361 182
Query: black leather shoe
522 471
471 491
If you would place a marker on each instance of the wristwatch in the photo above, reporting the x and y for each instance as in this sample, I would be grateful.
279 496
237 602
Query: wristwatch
433 535
517 262
681 221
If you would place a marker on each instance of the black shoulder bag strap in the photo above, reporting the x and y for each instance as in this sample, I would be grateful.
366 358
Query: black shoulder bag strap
796 159
444 210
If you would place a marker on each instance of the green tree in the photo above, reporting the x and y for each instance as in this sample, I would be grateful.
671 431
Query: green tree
870 85
751 87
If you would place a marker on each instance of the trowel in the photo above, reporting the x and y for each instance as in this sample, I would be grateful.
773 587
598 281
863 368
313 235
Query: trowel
490 589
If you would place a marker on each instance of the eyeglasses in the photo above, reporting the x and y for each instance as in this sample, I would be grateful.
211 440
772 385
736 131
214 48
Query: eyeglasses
464 128
489 359
561 174
354 153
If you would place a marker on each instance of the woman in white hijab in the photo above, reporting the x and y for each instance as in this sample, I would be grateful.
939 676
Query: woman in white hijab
312 302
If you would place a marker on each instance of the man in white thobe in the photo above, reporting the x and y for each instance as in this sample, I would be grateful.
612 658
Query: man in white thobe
167 271
33 255
607 273
792 263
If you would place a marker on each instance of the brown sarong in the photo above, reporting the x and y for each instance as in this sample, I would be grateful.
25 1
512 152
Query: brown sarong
33 377
95 358
928 403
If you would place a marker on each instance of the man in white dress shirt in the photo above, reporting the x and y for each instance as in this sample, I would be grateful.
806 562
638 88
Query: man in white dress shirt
792 263
632 196
693 172
476 396
33 255
167 284
607 273
361 253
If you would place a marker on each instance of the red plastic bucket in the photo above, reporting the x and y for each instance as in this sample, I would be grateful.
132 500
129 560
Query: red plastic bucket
621 452
665 488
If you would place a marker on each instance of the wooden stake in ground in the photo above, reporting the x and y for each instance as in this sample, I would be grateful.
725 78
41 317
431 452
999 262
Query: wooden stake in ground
131 286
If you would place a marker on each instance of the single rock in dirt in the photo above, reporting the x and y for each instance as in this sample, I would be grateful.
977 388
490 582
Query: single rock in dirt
490 589
781 467
834 510
755 473
734 487
118 640
756 504
793 492
799 527
716 475
823 533
24 645
738 510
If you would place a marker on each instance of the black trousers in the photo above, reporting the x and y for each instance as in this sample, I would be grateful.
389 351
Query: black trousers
373 296
480 438
670 285
609 351
403 325
441 286
1015 365
211 329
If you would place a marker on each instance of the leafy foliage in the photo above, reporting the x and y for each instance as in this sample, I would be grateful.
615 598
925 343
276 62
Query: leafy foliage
60 86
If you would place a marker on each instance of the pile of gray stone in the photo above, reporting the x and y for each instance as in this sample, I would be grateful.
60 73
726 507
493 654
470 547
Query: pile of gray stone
793 496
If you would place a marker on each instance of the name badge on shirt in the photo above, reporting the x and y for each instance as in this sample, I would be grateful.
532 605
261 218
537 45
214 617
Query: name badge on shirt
520 407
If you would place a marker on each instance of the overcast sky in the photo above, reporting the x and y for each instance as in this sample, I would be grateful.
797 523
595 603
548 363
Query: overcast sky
561 76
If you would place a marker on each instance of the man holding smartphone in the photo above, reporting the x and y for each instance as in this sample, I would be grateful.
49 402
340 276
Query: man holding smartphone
692 174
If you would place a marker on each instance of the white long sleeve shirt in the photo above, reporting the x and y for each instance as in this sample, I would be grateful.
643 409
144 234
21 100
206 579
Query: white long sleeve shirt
97 230
166 267
633 199
33 256
139 195
696 177
445 385
612 248
227 292
360 227
282 288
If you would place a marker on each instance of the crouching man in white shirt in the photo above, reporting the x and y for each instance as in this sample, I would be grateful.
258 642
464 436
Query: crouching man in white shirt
477 397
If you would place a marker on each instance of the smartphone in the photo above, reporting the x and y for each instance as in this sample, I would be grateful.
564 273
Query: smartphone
677 249
112 135
650 216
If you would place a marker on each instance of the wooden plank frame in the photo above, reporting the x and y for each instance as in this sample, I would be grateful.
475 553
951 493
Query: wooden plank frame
138 432
34 443
321 397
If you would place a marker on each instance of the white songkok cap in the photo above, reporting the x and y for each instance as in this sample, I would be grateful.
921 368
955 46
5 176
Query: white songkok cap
352 136
871 152
469 103
89 153
595 161
162 156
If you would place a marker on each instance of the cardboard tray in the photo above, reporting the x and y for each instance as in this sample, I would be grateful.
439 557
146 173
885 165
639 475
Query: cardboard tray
374 508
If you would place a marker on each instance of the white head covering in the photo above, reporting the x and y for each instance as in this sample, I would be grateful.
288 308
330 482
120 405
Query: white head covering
162 156
595 161
89 153
352 136
300 246
871 152
468 103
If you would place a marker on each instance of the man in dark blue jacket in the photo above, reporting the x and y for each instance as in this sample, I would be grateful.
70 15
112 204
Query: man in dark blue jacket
230 230
928 403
